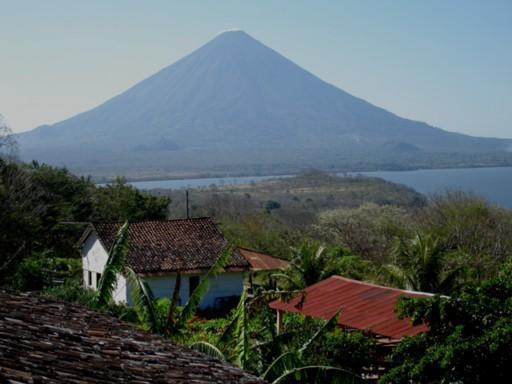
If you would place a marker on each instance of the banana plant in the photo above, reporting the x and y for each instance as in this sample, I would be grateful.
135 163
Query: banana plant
174 324
287 367
208 349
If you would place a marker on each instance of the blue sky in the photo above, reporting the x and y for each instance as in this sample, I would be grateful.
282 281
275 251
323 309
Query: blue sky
446 62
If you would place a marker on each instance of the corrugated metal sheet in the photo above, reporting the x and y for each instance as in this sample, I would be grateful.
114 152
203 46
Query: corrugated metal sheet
364 306
261 261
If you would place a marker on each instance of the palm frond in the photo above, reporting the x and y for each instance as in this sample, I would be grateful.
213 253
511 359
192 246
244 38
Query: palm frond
332 321
319 374
208 349
450 282
294 283
242 333
319 252
202 288
395 276
143 300
286 362
228 331
113 267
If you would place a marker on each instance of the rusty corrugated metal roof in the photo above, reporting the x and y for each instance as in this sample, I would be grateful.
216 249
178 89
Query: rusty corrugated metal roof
364 306
261 261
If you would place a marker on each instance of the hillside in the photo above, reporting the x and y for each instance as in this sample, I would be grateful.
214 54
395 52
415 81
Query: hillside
295 201
236 106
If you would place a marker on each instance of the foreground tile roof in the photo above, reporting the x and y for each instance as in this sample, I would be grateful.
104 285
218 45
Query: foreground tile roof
171 245
49 341
261 261
364 306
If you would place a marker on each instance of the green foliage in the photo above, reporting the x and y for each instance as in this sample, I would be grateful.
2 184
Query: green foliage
318 374
350 350
368 231
208 349
470 338
40 270
334 346
120 201
73 291
312 263
262 232
43 210
473 227
241 332
194 299
143 302
421 265
163 315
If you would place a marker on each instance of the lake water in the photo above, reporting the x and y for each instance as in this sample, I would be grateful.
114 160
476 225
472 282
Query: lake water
495 184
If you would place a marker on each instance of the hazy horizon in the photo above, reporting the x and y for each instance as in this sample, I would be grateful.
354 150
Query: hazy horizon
445 64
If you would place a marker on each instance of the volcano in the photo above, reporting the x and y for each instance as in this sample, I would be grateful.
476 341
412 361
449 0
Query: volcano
236 106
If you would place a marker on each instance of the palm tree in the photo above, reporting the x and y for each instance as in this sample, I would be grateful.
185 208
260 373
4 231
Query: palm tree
308 266
421 265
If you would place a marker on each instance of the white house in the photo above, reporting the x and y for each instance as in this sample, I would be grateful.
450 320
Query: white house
158 250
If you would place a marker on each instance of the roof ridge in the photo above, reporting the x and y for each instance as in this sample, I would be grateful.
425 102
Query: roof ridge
378 286
254 250
155 220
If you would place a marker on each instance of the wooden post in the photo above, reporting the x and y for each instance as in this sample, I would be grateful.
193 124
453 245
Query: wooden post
279 322
187 202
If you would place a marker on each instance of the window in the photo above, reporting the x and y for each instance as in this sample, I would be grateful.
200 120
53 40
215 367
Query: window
193 282
90 278
98 277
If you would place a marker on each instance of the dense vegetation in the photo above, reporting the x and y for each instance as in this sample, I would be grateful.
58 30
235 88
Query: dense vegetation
453 244
43 211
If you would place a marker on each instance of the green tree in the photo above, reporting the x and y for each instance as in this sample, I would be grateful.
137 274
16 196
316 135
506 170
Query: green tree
44 209
477 229
120 201
368 231
470 337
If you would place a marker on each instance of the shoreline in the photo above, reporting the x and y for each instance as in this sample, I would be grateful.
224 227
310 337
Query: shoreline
206 176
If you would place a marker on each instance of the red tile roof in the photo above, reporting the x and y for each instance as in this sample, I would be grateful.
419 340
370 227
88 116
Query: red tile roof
261 261
364 306
43 340
171 245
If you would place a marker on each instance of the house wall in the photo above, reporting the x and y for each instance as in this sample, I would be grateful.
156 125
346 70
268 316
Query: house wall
225 285
94 258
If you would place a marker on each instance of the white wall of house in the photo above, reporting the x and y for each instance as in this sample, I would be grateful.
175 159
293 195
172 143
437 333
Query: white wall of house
94 258
225 285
